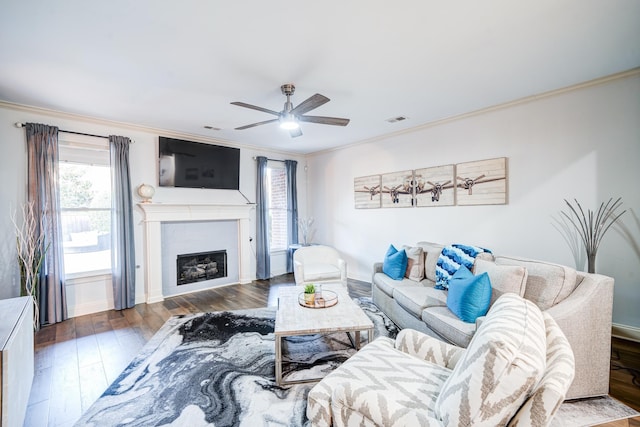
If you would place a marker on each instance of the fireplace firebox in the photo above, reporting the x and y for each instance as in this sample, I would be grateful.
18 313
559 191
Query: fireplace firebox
201 266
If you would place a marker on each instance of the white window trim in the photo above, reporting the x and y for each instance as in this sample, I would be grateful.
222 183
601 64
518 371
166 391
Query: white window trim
277 165
89 144
73 278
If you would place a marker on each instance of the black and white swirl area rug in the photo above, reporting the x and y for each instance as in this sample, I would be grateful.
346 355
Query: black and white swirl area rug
217 369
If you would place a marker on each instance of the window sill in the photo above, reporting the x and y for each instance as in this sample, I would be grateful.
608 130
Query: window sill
86 275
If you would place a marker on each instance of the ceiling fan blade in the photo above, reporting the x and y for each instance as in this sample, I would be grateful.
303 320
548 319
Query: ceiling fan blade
256 124
295 132
310 103
335 121
255 107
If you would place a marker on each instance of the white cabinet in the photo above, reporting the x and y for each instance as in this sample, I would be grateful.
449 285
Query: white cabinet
16 359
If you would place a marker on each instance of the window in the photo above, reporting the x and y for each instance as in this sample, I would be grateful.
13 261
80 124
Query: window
85 207
277 198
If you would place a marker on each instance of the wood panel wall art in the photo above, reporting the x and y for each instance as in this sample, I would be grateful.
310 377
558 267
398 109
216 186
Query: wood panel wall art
435 186
482 182
367 192
397 189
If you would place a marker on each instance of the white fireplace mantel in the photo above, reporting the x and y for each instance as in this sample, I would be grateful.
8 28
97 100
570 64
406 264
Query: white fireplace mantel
157 213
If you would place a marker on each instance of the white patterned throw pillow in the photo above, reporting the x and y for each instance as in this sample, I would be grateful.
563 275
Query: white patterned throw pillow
415 263
504 361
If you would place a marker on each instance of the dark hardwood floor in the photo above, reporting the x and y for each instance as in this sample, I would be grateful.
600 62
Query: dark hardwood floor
77 359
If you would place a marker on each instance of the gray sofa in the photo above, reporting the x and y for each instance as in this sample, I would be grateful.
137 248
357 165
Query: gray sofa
580 303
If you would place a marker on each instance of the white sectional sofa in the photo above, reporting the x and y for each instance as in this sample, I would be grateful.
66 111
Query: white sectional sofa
580 303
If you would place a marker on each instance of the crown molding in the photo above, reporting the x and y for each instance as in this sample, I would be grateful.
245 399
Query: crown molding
595 82
138 128
199 138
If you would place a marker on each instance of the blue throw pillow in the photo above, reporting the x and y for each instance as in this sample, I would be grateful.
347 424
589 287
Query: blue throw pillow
395 263
451 258
469 296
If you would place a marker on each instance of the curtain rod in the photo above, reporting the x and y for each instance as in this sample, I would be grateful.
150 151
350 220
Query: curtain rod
19 124
82 133
271 160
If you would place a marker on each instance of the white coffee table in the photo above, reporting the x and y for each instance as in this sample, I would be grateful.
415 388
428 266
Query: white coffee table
294 319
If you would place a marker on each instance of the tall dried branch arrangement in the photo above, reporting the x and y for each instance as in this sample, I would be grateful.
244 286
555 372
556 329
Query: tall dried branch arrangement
592 226
31 248
304 225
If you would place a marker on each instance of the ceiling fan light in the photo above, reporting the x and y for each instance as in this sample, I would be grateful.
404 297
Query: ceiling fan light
289 123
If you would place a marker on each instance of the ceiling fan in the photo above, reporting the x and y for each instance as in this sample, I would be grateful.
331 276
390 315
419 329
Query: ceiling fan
290 117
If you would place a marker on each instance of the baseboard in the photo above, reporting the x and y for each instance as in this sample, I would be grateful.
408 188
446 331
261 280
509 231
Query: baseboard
625 332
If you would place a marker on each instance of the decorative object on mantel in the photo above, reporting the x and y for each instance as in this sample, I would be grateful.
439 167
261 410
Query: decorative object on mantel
304 225
31 248
146 191
592 227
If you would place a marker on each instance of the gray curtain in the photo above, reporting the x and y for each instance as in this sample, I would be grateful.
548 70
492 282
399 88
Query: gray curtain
122 243
292 210
42 191
263 258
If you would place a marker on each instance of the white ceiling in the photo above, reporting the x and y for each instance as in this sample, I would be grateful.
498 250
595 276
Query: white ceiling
176 65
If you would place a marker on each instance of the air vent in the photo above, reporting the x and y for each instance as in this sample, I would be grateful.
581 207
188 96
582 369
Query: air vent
396 119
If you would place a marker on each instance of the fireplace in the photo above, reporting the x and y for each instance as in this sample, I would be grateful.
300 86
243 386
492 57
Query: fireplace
157 215
201 266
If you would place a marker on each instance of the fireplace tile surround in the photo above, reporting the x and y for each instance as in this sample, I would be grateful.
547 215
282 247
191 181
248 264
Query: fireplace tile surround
157 213
180 238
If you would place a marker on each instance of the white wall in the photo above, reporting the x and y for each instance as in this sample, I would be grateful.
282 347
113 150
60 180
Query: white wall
89 296
583 143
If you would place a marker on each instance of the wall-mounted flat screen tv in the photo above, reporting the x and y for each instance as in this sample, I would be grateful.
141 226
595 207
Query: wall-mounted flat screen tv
197 165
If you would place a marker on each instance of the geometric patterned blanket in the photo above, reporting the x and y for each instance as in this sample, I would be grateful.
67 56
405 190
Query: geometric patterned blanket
450 260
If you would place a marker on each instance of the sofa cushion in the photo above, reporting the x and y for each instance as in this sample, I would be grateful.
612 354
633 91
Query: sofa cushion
547 283
388 285
431 254
414 299
428 348
504 278
351 391
320 271
395 263
415 263
469 296
449 326
503 363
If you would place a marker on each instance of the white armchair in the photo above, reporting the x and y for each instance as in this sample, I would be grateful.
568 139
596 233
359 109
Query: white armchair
515 372
318 264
